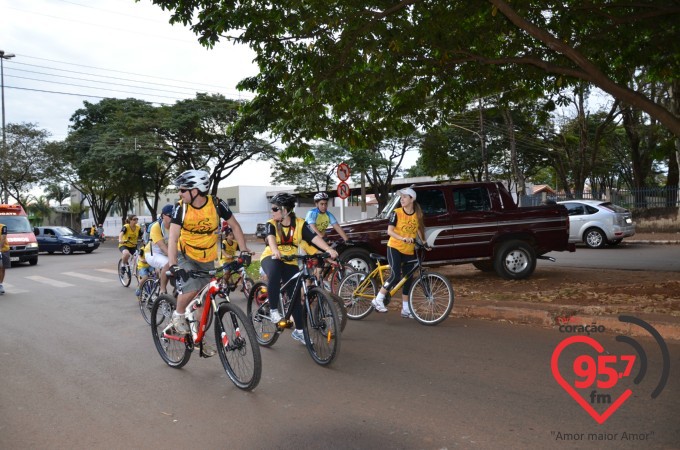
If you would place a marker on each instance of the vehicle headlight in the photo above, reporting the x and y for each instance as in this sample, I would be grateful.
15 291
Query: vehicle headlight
32 245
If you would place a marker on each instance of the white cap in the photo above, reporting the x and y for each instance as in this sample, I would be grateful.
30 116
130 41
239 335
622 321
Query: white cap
408 191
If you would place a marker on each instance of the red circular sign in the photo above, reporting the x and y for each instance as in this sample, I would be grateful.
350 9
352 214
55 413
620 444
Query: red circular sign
343 190
343 172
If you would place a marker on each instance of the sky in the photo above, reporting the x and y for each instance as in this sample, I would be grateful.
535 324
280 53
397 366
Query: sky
70 51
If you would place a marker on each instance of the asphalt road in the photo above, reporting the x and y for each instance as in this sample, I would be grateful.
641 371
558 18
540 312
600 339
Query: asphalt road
79 371
626 256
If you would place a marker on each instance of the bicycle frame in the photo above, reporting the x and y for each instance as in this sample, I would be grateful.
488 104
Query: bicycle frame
206 297
381 268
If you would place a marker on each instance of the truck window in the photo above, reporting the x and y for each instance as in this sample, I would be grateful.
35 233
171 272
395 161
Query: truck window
471 199
432 202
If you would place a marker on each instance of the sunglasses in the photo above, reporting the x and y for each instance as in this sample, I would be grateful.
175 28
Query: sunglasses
182 190
275 209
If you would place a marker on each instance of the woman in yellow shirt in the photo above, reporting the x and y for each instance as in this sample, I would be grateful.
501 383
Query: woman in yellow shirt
285 233
405 224
128 237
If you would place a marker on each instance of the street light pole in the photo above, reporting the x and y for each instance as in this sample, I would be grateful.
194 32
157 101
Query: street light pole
3 57
485 168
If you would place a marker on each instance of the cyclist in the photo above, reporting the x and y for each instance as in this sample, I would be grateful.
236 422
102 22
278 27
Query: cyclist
5 261
128 238
320 218
193 242
156 250
284 233
229 249
404 225
143 270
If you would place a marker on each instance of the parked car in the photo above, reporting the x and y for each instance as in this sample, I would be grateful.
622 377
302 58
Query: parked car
64 240
467 223
598 223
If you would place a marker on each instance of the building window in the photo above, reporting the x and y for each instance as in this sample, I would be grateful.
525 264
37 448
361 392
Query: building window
231 201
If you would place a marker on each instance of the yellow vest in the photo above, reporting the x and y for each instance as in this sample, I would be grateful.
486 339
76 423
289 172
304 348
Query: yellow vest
5 246
289 243
197 239
228 252
131 235
407 226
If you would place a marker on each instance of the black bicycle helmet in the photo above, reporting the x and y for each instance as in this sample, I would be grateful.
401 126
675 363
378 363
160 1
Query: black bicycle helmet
284 200
320 196
190 179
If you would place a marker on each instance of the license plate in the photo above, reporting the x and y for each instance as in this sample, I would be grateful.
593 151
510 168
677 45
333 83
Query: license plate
90 245
14 259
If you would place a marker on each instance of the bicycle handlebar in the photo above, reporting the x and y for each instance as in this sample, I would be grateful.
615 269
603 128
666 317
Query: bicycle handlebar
323 255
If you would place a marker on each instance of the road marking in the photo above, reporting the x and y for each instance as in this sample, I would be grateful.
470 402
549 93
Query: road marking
49 281
12 290
87 277
113 271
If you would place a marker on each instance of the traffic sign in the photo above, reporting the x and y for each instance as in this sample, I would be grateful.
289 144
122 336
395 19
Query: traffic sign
343 190
343 172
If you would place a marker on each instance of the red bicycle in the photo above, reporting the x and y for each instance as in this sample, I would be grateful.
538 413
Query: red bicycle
234 333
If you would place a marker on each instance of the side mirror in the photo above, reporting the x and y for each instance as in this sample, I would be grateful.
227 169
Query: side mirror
36 231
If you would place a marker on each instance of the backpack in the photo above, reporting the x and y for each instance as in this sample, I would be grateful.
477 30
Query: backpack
147 234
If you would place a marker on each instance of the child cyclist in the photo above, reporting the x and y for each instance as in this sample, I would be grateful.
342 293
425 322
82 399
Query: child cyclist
284 233
404 225
229 250
144 270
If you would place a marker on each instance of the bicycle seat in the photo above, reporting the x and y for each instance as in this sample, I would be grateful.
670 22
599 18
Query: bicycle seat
377 257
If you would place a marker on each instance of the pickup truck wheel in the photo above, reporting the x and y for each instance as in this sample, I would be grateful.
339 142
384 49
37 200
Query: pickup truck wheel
484 266
515 260
357 258
594 238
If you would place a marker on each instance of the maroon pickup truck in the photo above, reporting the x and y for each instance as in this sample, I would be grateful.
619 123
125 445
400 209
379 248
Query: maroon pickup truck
477 223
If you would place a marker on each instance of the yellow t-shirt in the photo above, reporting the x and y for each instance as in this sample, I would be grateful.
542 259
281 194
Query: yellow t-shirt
228 252
405 225
197 238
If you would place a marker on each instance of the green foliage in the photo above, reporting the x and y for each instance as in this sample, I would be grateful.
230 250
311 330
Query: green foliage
24 163
357 73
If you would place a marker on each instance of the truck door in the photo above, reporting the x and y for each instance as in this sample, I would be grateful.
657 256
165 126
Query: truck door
437 223
474 222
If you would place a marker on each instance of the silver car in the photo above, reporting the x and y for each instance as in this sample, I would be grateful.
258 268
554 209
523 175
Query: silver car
598 223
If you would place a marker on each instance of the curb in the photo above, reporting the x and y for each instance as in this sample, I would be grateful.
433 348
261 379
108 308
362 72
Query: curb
548 318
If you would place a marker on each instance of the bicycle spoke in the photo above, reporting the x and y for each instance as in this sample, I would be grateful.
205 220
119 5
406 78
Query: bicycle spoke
431 298
322 328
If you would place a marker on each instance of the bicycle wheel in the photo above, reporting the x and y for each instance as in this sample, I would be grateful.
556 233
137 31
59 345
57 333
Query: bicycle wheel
150 290
337 274
431 298
123 274
321 327
237 346
169 344
339 309
257 310
357 300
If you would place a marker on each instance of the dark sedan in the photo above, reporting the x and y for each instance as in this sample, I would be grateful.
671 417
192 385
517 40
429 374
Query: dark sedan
64 240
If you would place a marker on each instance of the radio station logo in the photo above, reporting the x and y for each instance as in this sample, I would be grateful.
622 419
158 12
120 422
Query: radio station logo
599 381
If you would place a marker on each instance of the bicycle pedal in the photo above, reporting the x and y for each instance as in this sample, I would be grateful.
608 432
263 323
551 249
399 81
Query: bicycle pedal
283 324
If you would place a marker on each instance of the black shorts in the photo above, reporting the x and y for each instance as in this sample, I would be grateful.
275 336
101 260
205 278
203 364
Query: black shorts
125 247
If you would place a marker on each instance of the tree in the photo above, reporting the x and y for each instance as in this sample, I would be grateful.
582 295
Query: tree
40 208
58 193
314 174
24 165
343 71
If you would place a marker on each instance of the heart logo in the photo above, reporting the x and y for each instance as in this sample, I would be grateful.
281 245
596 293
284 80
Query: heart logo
599 418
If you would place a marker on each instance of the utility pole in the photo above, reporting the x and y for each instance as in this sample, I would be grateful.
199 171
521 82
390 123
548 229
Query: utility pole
3 57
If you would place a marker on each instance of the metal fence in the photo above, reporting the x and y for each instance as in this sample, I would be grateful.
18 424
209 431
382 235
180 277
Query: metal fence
659 197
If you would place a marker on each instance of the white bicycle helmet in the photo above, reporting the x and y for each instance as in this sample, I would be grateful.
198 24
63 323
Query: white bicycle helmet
193 179
320 196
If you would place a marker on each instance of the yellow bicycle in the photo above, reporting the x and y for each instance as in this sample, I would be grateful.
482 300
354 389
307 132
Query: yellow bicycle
430 298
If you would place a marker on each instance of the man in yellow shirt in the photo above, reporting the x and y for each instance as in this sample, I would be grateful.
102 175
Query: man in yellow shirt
156 250
193 242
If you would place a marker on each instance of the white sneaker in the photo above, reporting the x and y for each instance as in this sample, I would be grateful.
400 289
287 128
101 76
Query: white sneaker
275 316
2 289
378 305
299 336
180 323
